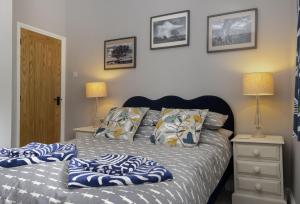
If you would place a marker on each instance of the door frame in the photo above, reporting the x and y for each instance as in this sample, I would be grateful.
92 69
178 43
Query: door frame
63 76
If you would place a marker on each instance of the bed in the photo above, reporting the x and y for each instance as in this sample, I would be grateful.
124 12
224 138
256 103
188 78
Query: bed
199 173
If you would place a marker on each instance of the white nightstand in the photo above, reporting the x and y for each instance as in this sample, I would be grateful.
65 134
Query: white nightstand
85 132
258 170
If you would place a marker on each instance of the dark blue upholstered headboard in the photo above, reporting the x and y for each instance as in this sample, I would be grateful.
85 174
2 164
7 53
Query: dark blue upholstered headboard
213 103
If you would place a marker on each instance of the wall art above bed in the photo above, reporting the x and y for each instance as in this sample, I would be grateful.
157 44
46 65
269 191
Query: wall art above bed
232 31
170 30
120 53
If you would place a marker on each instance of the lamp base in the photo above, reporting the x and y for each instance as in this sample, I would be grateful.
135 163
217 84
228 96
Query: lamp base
97 120
258 134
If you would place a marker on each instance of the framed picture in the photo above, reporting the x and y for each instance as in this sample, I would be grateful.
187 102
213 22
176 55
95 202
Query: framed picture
232 31
170 30
120 53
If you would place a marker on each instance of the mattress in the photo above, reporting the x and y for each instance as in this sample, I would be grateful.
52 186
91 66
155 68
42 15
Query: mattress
196 172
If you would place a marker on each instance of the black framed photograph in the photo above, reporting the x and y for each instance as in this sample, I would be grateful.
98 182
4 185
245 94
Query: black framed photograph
120 53
170 30
232 31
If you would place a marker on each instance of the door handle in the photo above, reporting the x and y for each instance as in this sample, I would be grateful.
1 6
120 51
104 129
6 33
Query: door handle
58 100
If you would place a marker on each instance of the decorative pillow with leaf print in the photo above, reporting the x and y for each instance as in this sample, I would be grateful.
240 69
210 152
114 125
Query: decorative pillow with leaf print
179 127
121 123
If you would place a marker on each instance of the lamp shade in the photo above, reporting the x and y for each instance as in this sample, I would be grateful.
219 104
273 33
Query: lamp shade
96 90
258 84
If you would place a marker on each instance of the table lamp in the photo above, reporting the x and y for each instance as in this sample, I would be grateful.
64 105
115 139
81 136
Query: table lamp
96 90
258 84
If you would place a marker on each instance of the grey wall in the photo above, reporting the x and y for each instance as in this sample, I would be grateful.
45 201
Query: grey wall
44 14
188 72
6 72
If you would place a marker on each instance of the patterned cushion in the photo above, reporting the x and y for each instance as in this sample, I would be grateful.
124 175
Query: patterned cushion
179 127
121 123
151 118
144 132
214 121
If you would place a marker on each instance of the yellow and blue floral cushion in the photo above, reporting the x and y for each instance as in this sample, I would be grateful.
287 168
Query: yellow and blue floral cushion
179 127
121 123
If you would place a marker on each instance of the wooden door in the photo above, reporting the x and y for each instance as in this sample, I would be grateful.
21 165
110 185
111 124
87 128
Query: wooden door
40 81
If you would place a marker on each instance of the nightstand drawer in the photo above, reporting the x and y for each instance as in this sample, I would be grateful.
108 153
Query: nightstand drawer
265 169
259 185
259 151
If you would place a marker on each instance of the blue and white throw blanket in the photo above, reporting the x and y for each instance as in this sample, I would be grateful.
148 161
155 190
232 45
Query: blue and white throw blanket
115 169
35 153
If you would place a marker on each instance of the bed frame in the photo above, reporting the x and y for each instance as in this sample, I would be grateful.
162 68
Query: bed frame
213 103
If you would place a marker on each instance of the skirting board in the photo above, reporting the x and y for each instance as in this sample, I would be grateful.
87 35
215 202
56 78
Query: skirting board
290 196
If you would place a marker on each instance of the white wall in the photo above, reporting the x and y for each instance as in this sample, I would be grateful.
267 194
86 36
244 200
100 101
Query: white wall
5 72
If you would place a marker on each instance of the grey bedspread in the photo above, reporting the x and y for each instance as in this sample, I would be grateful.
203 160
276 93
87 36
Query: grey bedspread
196 173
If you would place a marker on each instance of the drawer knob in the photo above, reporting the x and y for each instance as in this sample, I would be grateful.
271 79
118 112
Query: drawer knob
258 187
256 170
256 152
